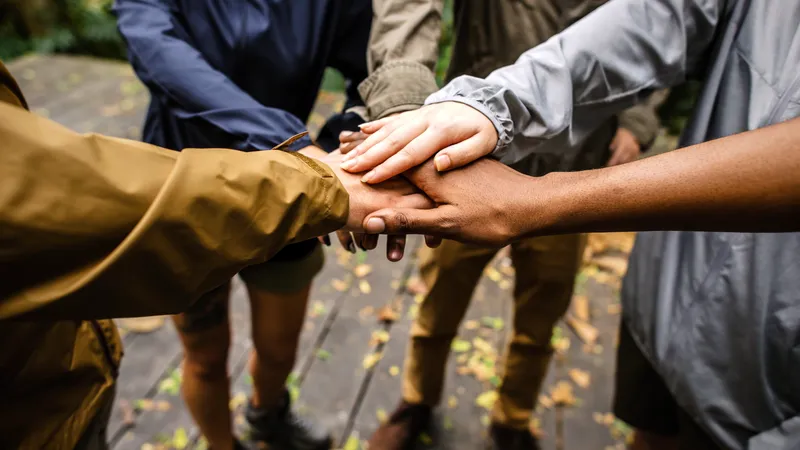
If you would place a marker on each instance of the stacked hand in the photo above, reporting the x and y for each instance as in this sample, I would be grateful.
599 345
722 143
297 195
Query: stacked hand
366 199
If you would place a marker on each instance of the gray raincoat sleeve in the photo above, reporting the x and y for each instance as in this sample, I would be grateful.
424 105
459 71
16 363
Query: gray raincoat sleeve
561 90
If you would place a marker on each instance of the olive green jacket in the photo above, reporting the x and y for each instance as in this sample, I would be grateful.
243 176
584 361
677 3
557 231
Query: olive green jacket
488 34
93 227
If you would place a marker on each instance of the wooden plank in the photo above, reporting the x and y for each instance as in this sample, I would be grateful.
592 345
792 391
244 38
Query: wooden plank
164 424
334 386
458 423
588 423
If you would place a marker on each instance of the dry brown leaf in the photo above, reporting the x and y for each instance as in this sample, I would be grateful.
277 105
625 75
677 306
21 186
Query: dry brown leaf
362 270
546 401
614 309
415 285
580 306
237 401
128 414
561 345
142 324
472 325
562 394
340 285
617 265
387 314
452 402
586 332
464 370
580 377
486 400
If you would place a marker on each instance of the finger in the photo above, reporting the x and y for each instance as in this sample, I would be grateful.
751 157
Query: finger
346 239
371 140
347 147
432 241
437 222
395 247
369 242
463 153
615 158
375 125
351 136
325 240
392 147
415 201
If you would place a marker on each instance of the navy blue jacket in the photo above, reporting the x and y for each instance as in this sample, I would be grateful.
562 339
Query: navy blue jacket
240 74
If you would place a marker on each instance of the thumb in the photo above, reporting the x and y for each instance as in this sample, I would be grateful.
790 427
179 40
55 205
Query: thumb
409 221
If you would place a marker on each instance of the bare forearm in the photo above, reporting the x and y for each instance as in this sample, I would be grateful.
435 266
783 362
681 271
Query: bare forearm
749 182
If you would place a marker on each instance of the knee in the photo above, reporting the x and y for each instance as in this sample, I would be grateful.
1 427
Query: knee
277 352
206 365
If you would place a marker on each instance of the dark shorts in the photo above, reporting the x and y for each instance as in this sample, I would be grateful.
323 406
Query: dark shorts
642 400
291 269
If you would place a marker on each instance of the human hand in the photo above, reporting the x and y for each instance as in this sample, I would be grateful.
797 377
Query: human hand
624 148
365 199
482 203
349 140
456 133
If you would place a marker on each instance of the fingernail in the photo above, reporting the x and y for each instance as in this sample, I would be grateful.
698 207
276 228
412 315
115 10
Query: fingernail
345 133
351 247
347 165
396 255
442 162
362 125
375 225
368 177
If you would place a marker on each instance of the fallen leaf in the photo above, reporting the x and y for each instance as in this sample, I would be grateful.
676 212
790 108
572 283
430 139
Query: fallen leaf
352 443
394 284
546 401
447 423
145 404
366 311
495 381
460 345
379 337
535 427
495 323
294 393
586 332
362 270
364 287
238 401
142 324
323 355
415 285
462 358
471 325
147 446
180 439
483 346
343 256
317 309
614 264
381 415
504 284
340 285
493 274
387 314
463 370
419 298
371 359
485 420
580 306
614 309
486 400
425 438
562 394
413 310
394 371
452 402
128 414
580 377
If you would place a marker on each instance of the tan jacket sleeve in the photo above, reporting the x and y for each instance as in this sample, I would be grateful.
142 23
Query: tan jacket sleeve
97 227
402 55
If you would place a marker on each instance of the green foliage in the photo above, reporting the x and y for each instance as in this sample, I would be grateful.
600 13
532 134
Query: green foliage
677 108
59 26
445 43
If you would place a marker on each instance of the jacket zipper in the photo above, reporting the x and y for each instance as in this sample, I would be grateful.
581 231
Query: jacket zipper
101 336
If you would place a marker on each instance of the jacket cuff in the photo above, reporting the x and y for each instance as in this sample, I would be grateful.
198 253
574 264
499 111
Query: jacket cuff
397 86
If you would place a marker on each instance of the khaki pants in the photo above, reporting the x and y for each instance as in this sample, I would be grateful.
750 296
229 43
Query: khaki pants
545 275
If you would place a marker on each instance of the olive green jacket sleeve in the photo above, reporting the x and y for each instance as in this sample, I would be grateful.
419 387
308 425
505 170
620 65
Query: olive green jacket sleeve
402 55
98 227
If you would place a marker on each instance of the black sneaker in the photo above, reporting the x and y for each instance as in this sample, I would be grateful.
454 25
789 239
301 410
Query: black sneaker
281 429
506 438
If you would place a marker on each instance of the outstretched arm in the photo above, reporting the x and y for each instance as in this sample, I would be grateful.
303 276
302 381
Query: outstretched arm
747 182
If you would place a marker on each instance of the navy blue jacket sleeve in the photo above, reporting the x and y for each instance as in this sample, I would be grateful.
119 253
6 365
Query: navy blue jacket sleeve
173 68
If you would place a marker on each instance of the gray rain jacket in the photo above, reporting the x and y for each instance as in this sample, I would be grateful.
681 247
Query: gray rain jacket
718 314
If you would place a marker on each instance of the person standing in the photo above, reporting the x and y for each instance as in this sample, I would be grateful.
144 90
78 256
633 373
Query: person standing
245 75
488 34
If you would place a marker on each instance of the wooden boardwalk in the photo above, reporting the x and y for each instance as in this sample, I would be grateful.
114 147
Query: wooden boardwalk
359 317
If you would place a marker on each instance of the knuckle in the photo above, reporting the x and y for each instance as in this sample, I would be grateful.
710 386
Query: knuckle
402 221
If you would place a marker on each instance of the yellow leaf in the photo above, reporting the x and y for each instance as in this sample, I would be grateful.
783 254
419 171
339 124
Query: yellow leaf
580 377
180 439
415 285
238 400
483 346
145 404
493 274
362 270
535 427
562 394
387 313
460 346
163 406
413 310
371 359
471 325
352 444
504 284
419 298
614 309
148 446
452 402
381 415
317 309
584 330
379 337
486 400
364 287
394 371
